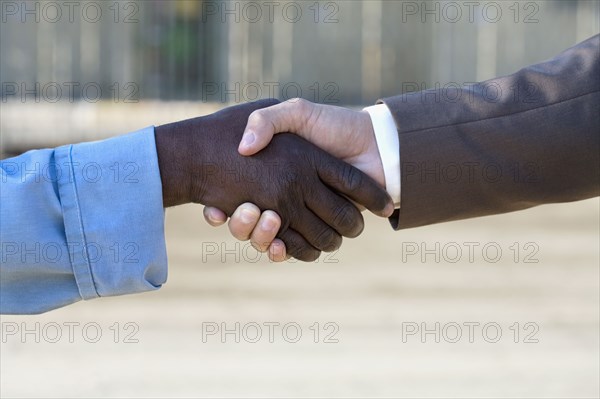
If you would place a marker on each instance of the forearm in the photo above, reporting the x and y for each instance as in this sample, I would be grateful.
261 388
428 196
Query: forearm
502 145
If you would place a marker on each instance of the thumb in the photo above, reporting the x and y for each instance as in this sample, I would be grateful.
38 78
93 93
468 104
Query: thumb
264 123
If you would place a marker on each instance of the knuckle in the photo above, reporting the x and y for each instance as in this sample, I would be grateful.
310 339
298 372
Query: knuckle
239 235
251 207
260 245
299 250
238 230
274 216
297 102
260 241
353 178
309 113
348 220
301 104
257 118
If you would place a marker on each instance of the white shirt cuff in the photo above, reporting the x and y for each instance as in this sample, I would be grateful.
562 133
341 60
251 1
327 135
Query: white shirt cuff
386 135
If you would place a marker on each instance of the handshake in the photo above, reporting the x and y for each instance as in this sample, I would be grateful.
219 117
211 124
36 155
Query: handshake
293 195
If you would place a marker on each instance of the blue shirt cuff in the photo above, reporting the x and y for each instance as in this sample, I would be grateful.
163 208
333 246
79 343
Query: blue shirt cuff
111 198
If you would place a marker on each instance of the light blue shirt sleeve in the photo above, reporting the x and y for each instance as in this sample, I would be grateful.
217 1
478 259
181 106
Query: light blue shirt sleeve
79 222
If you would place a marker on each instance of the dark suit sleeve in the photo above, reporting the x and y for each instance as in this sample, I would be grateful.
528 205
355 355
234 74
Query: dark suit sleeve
502 145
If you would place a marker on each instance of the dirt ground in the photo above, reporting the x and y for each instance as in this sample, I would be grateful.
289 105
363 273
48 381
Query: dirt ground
512 301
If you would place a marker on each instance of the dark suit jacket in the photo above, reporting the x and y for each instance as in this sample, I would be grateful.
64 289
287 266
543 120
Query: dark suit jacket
502 145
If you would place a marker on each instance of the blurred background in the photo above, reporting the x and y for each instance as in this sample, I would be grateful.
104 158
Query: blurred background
90 64
381 316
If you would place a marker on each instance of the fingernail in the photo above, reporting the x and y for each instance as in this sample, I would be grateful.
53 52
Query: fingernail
277 250
247 216
211 218
269 224
247 139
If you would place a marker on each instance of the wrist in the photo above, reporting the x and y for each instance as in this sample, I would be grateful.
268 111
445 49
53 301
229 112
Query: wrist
171 149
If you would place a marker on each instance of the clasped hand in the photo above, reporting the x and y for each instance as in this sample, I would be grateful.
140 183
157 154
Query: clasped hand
305 190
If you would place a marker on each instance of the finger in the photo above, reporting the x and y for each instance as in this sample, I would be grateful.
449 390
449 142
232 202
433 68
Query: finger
243 221
337 212
318 233
214 216
357 186
263 124
298 247
265 231
277 251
